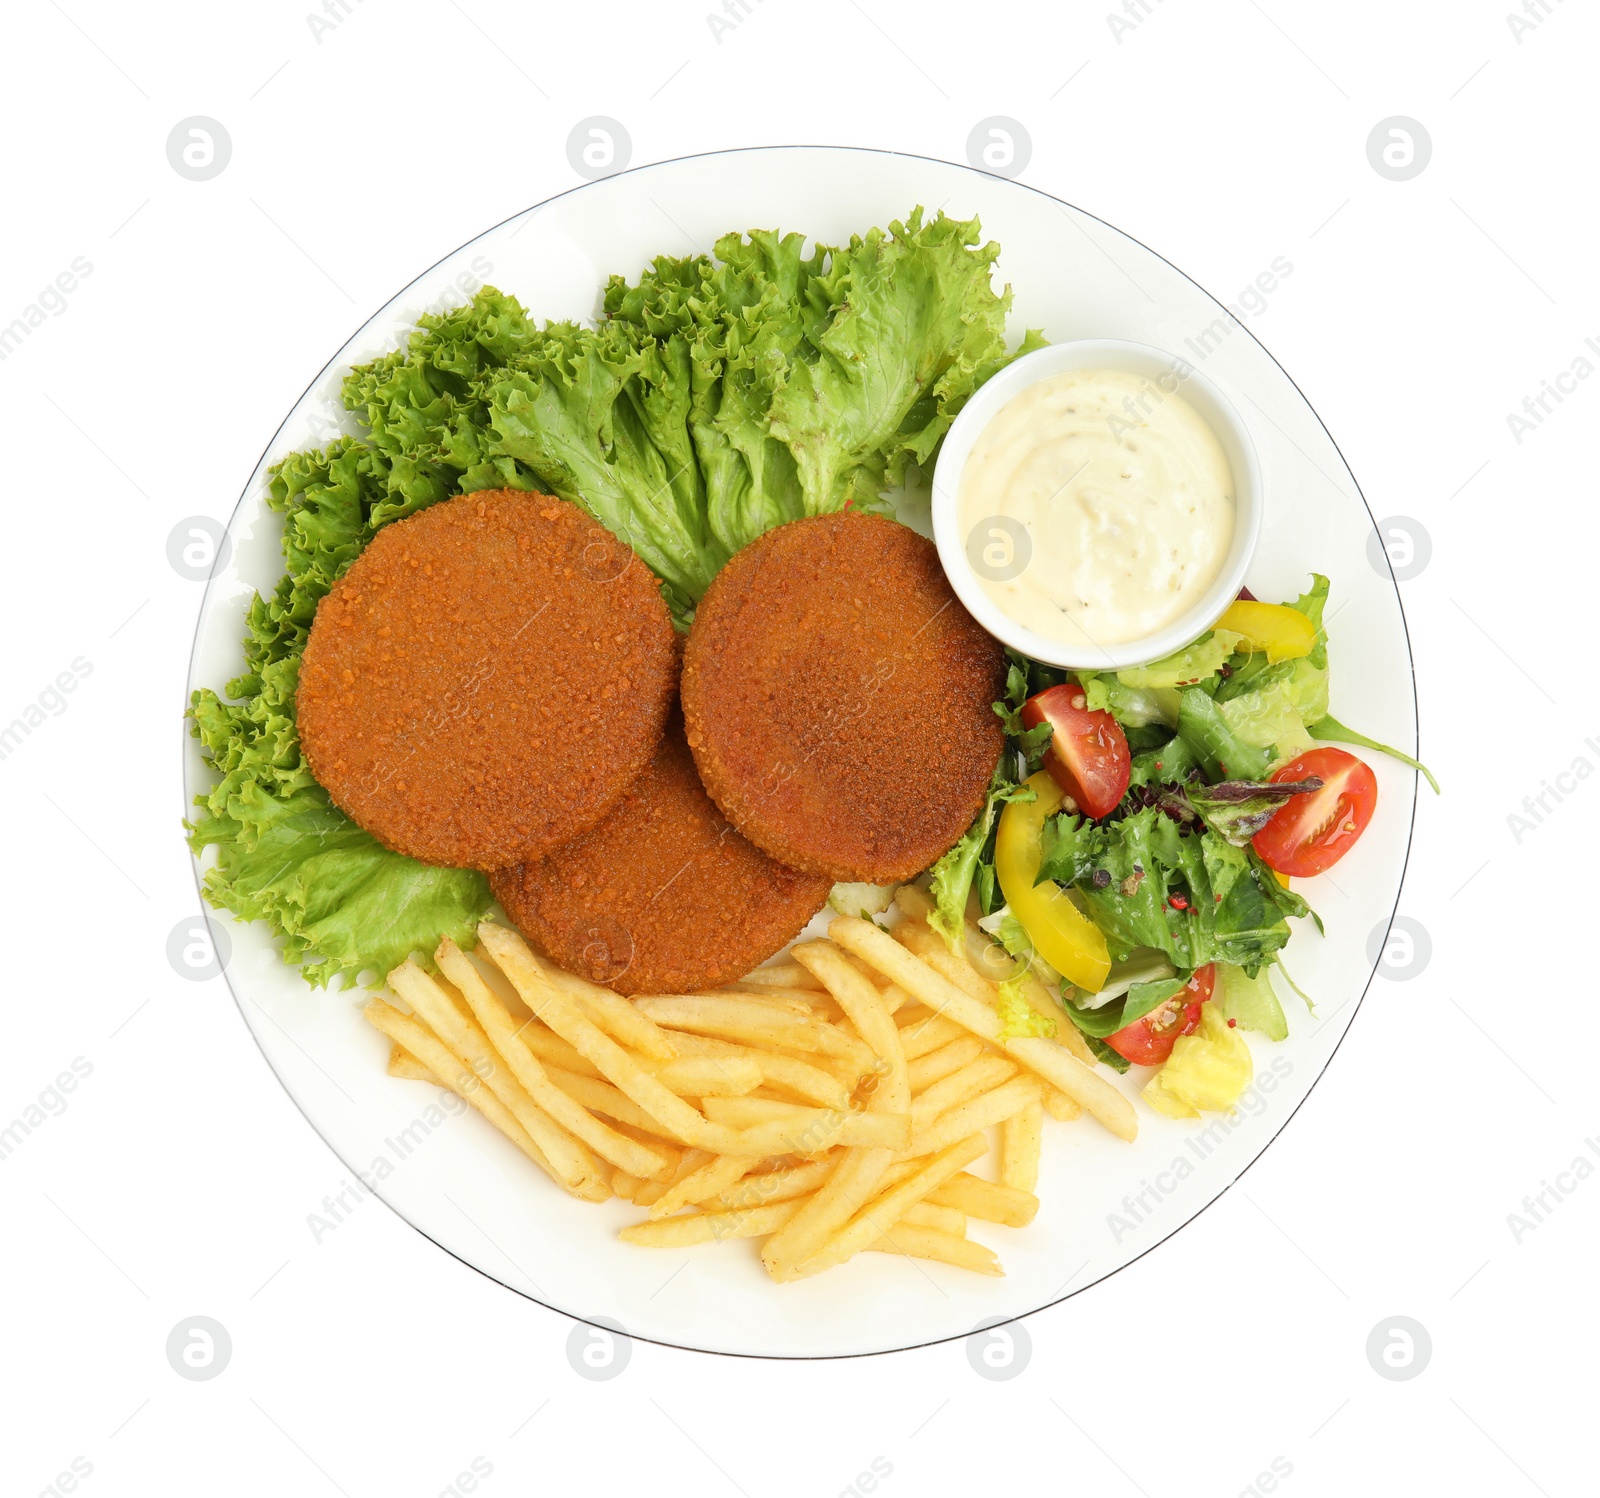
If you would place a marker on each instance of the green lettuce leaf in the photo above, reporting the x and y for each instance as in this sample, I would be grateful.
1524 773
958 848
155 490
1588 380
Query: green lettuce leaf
1139 1000
606 425
1267 718
1222 753
343 904
1250 1001
952 876
1187 667
1018 1017
1171 763
917 328
1132 707
1312 603
1031 743
718 397
1332 731
1102 1052
1126 872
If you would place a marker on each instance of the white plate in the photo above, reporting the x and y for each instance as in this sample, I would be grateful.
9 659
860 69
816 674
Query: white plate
1104 1202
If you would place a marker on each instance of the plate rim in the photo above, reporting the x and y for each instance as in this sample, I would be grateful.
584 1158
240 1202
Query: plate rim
593 1320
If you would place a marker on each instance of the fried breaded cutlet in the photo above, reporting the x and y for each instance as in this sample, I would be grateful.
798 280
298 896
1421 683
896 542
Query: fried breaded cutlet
487 680
838 698
664 896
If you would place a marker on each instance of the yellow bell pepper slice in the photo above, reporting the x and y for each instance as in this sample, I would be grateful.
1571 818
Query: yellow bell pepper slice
1285 634
1061 934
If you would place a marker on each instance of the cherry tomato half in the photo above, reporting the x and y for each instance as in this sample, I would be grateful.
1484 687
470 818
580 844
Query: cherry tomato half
1088 755
1148 1041
1315 830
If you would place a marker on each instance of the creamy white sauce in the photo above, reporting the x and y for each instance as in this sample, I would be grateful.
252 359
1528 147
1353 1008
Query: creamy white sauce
1124 493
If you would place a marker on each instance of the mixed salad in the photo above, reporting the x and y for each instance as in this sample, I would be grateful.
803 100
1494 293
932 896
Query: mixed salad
1140 833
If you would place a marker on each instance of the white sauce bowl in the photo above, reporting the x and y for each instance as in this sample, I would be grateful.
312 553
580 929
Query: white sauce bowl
1154 364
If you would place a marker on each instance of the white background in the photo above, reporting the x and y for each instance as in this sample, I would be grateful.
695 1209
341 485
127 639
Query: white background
179 1178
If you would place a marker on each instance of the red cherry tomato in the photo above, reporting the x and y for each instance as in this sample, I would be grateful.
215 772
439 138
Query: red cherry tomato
1315 830
1148 1041
1088 755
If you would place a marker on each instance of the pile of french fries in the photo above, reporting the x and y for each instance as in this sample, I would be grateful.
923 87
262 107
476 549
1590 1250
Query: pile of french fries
830 1104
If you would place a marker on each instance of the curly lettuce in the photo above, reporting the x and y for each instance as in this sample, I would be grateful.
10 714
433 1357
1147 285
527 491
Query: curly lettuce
716 398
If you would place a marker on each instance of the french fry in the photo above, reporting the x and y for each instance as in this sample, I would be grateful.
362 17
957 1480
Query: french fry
511 1043
915 903
690 1161
894 997
916 1242
926 1070
431 1051
987 1200
1020 1138
789 1127
710 1076
748 1112
927 1214
990 961
958 968
562 1014
1091 1092
779 976
748 1018
710 1227
617 1016
865 1009
952 966
879 1216
552 1050
980 1076
928 1032
1059 1106
1056 1065
610 1011
1040 1001
572 1163
403 1064
599 1096
867 971
776 1185
980 1113
820 1006
755 1020
850 1185
718 1174
801 1078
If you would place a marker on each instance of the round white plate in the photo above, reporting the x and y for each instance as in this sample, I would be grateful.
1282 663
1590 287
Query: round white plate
1104 1202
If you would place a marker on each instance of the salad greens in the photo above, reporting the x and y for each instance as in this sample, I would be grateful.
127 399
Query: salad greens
1236 810
1139 1000
1018 1018
341 901
1170 876
969 864
1148 883
1332 731
1250 1001
971 861
718 396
